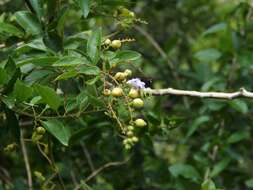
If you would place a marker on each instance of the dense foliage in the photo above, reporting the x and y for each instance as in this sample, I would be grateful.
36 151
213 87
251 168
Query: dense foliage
70 120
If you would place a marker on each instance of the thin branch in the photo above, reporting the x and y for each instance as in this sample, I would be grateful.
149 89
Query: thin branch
97 171
107 165
87 155
163 54
218 95
26 160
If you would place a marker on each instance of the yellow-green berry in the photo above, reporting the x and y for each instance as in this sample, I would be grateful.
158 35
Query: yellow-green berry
135 139
116 44
40 130
140 123
137 103
133 93
128 72
117 92
130 128
130 133
107 41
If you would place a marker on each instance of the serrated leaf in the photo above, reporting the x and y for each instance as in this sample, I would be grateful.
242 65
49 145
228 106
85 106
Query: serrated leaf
58 130
28 22
48 96
93 44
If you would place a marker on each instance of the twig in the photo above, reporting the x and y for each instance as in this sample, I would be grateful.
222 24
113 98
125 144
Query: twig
87 155
109 164
219 95
27 165
165 57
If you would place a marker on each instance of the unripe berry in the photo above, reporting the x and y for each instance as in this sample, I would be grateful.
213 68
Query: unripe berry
40 130
135 139
117 92
130 133
116 44
127 146
130 128
137 103
133 93
107 41
107 92
120 76
140 123
128 72
131 14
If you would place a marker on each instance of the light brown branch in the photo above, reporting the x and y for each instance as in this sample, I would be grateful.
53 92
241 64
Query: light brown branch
26 160
107 165
218 95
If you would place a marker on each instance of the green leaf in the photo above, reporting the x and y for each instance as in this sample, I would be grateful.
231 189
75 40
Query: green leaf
215 28
89 70
93 44
184 170
53 41
238 136
10 66
70 61
218 168
239 105
38 7
249 183
85 7
58 130
4 77
28 22
49 96
127 55
93 80
196 124
21 91
208 185
39 61
67 75
10 30
208 55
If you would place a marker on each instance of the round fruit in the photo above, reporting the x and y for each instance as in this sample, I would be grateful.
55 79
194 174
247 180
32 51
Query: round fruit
127 146
120 76
140 123
117 92
135 139
133 93
128 72
130 128
137 103
130 133
116 44
107 41
40 130
107 92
